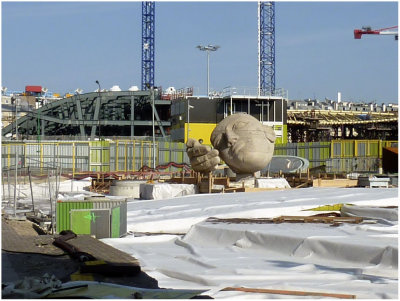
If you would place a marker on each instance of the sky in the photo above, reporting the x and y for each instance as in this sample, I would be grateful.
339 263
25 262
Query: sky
68 45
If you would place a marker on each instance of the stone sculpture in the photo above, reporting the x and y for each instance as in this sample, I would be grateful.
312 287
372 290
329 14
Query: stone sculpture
240 140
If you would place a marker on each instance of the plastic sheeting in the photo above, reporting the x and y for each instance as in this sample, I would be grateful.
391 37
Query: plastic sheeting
272 183
102 290
355 259
159 191
373 212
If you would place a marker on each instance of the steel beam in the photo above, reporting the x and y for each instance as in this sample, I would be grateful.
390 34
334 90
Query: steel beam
83 111
80 116
132 116
96 117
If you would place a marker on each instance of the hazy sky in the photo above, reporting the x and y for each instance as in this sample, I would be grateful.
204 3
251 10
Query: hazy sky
68 45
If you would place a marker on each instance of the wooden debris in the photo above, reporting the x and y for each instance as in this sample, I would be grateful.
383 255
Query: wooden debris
20 237
323 218
250 189
289 292
181 180
101 184
318 219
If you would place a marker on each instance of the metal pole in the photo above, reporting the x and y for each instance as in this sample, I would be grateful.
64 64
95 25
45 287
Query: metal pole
154 133
208 73
9 186
188 120
259 48
132 117
16 158
58 173
16 120
100 140
262 110
30 184
3 191
208 49
51 202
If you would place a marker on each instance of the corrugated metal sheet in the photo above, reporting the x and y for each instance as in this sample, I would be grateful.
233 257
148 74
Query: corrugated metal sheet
364 164
81 157
107 204
119 220
99 155
63 209
131 155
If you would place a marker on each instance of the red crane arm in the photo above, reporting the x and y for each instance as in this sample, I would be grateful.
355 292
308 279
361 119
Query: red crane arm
367 30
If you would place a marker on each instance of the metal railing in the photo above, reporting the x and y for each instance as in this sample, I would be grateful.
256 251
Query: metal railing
252 91
93 156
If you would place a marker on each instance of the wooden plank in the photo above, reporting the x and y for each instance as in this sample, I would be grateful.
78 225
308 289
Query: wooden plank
210 182
318 219
17 236
101 251
334 183
290 219
289 292
181 180
222 181
250 189
305 184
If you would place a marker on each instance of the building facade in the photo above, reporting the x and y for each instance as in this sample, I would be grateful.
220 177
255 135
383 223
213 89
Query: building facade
196 117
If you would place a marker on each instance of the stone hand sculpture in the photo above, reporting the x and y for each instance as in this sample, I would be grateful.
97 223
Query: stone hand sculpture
202 157
240 140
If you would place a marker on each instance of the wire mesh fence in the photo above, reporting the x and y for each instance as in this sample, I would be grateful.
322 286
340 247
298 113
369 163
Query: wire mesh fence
23 188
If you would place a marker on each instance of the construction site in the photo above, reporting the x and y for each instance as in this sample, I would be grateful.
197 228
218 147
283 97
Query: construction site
100 198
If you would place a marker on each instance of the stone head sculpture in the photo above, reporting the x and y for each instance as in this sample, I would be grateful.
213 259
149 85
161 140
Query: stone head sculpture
244 143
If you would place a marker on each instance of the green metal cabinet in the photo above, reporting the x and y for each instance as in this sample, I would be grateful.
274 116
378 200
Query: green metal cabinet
101 218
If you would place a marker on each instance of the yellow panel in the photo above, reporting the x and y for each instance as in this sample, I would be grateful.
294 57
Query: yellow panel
204 130
200 131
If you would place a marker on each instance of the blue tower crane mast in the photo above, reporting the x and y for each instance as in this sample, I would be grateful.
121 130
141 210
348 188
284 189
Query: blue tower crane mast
148 29
266 48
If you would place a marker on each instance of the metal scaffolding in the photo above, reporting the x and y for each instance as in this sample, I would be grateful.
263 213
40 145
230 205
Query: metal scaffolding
122 113
148 28
266 48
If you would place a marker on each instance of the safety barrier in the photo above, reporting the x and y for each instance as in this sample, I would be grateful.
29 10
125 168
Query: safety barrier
94 156
315 152
132 155
359 148
339 155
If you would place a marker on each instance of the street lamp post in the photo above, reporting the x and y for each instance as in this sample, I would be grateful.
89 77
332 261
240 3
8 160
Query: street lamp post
208 49
101 143
97 82
188 119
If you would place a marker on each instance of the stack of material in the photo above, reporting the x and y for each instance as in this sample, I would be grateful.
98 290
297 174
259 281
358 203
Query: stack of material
158 191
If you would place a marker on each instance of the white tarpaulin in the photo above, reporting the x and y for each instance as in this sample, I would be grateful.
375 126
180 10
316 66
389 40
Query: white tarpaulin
272 183
159 191
353 259
373 212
